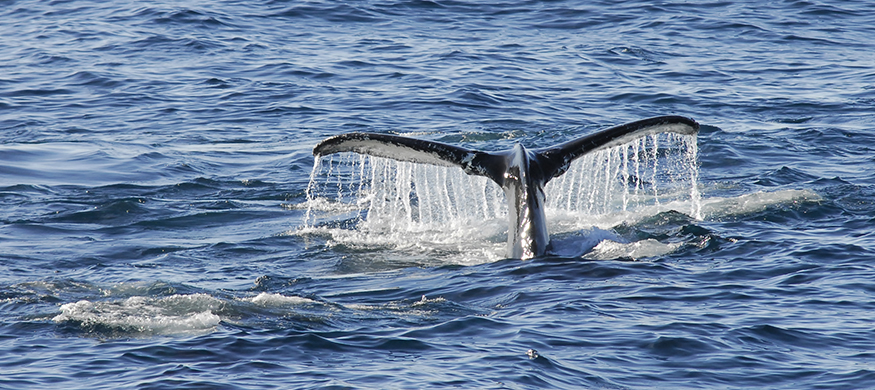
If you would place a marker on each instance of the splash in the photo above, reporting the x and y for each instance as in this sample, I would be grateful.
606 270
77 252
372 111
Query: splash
388 195
124 311
656 173
364 202
144 316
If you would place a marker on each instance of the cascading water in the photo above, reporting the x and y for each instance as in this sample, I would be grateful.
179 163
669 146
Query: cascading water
658 172
388 195
379 201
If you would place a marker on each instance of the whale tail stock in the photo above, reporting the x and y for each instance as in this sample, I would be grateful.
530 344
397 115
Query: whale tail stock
520 172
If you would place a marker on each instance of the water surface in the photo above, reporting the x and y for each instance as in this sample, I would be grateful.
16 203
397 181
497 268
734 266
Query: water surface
154 162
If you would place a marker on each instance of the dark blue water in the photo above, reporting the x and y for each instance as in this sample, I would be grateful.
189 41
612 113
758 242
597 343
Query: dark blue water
154 161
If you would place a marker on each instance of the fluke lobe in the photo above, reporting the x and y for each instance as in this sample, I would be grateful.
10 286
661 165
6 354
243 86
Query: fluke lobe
521 172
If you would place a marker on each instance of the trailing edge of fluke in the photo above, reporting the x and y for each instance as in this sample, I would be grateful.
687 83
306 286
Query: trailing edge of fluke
521 172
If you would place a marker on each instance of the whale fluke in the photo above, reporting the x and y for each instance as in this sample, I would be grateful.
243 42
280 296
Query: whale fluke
400 148
559 157
521 173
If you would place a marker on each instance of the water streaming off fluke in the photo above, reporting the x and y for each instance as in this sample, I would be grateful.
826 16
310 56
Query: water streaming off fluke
367 201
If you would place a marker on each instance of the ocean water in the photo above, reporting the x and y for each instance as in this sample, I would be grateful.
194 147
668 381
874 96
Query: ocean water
156 229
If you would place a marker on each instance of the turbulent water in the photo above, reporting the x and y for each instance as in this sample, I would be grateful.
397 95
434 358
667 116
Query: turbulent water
156 228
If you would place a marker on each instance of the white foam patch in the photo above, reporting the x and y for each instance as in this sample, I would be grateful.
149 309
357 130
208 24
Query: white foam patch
476 242
278 300
609 250
718 207
426 301
418 308
145 316
359 306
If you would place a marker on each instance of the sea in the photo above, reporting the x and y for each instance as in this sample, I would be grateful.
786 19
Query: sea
164 223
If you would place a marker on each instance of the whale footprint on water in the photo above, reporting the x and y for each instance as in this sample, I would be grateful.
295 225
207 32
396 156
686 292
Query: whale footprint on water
522 173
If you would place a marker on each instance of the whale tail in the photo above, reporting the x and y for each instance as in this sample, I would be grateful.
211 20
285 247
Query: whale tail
553 161
520 172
